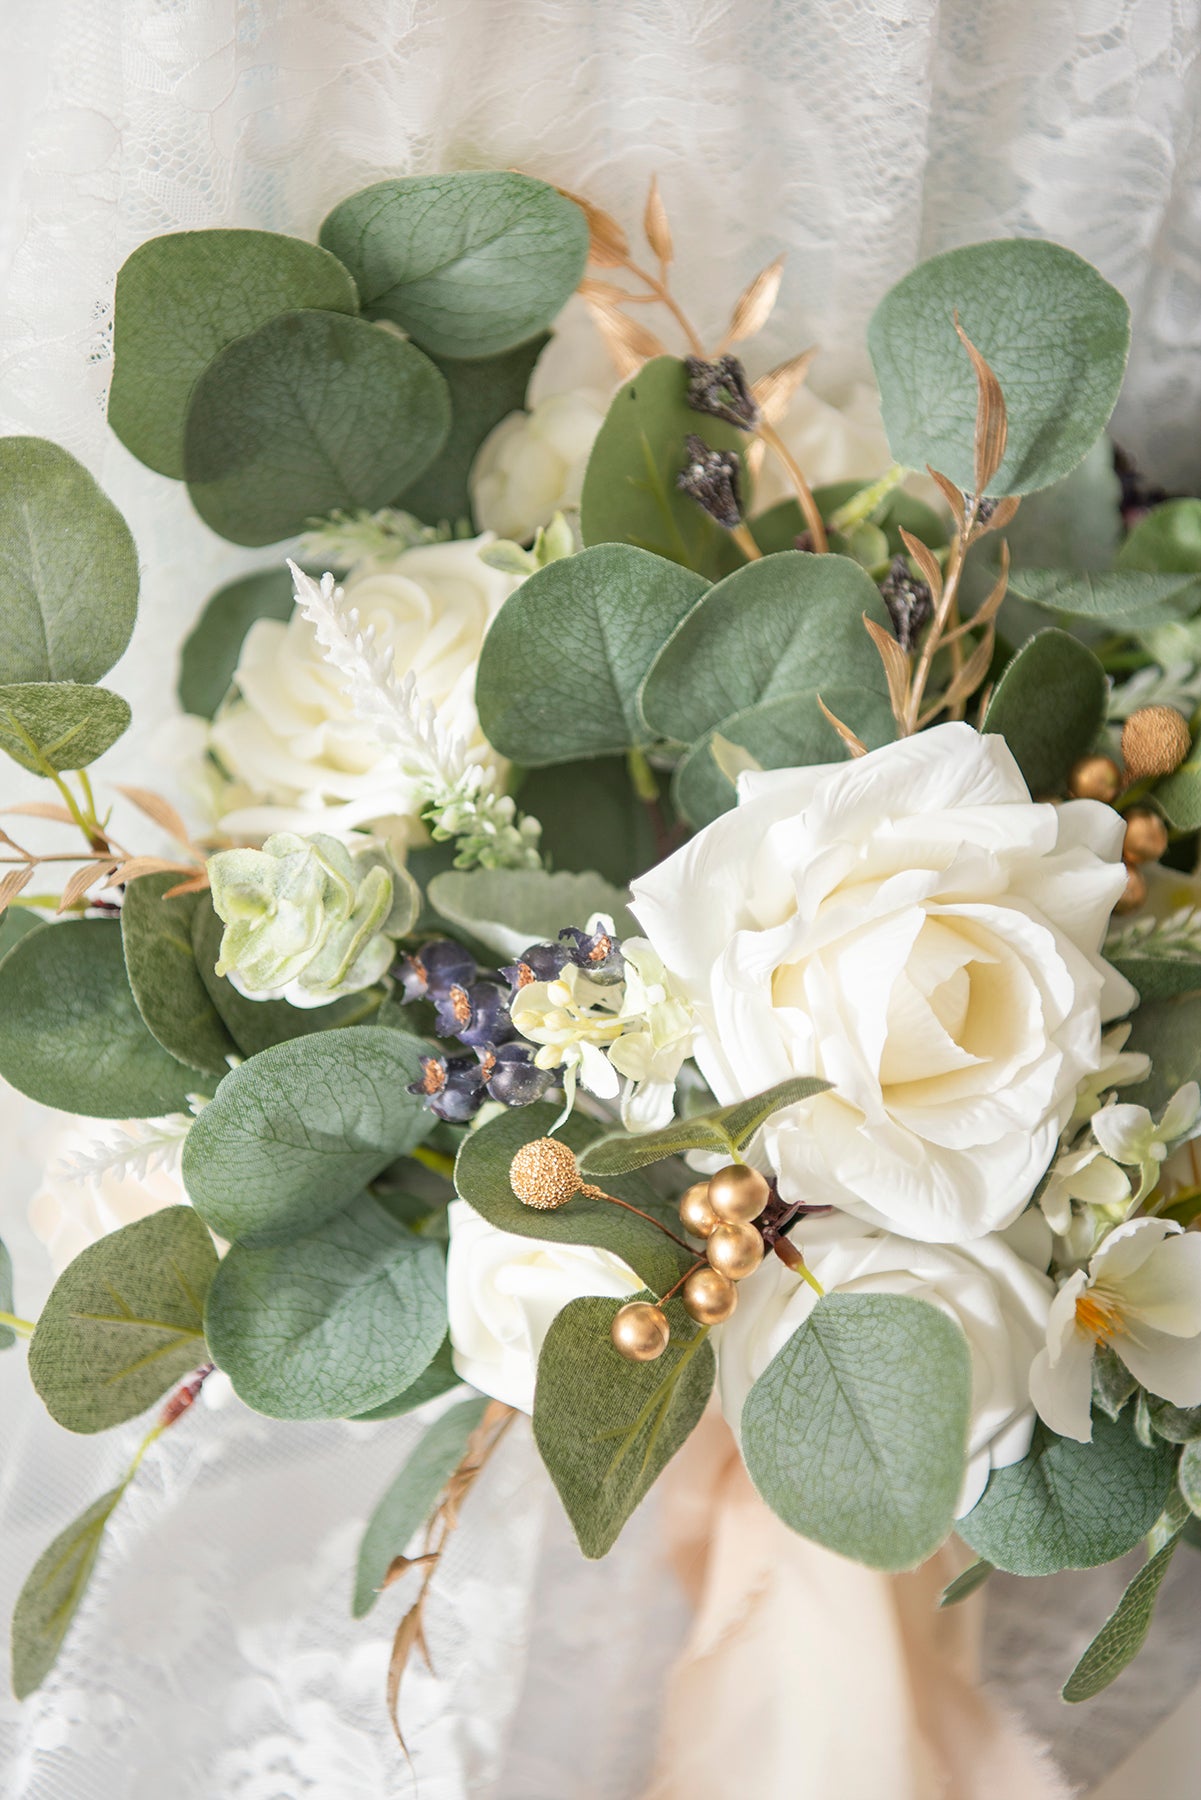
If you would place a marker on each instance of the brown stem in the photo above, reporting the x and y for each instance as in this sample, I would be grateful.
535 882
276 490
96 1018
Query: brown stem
947 611
663 294
804 493
746 543
677 1285
595 1193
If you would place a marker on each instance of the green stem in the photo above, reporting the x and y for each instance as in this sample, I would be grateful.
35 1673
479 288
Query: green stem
642 776
23 1327
437 1160
862 505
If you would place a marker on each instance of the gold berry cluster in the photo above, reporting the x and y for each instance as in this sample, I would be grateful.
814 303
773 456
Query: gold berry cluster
1155 741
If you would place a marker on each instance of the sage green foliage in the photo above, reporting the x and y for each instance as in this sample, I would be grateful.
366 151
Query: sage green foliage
14 924
294 1135
211 650
468 264
564 659
785 626
258 1024
1076 524
47 725
1123 1634
71 1035
337 1321
1168 1031
481 395
175 1005
630 494
1054 333
1127 599
1068 1505
68 568
507 910
360 413
123 1322
52 1592
181 298
437 1378
1113 1384
1179 1424
968 1583
1049 706
8 1336
1167 539
1158 976
1189 1476
607 1428
593 820
724 1130
482 1179
856 1432
411 1498
1178 795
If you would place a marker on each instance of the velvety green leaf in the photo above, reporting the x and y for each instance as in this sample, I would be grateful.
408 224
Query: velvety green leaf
1076 524
1068 1505
1049 706
294 1134
211 650
607 1428
46 725
481 395
14 924
1124 1632
1052 330
963 1585
482 1179
438 1378
1178 795
856 1432
410 1500
1160 977
781 734
124 1321
1113 1384
1190 1476
68 568
339 1320
630 494
507 910
562 664
732 1125
310 413
8 1336
52 1592
786 625
1127 599
1168 539
1169 1032
468 264
71 1035
161 965
593 819
1178 1424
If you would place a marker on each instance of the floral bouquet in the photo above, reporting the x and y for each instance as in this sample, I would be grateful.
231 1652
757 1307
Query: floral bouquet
647 947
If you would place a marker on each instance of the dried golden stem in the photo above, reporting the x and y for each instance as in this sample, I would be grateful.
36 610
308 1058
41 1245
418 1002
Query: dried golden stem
946 607
804 492
746 543
663 294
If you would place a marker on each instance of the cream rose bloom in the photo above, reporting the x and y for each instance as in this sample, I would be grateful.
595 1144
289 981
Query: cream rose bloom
502 1293
995 1296
913 928
532 464
290 735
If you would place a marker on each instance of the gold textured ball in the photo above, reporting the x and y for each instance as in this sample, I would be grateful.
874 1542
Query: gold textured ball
1146 836
544 1174
1155 740
1095 778
738 1193
640 1331
709 1296
696 1215
735 1250
1134 893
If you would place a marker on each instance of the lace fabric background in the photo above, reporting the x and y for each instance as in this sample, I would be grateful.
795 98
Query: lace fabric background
215 1659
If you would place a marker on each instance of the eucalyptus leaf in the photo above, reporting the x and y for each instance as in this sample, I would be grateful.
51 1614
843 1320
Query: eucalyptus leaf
333 1323
1123 1634
71 1035
593 819
436 1379
482 1179
294 1134
8 1336
856 1432
52 1592
782 524
311 413
1076 524
68 568
1068 1505
971 1580
1167 539
50 725
1128 599
563 661
1159 977
211 650
481 395
1168 1031
1054 333
160 961
507 910
630 494
123 1322
411 1498
606 1428
468 264
14 924
1049 705
723 1130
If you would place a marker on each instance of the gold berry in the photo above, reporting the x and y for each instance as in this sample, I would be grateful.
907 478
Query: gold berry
640 1331
709 1296
1155 740
738 1193
696 1215
1133 894
544 1174
1095 778
1146 836
735 1249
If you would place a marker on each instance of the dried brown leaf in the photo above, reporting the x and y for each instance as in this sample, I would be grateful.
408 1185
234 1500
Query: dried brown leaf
197 885
592 289
774 391
954 498
627 340
854 744
83 879
134 866
13 844
14 882
992 423
159 810
408 1634
608 245
896 666
990 607
400 1565
756 303
966 682
655 225
42 809
926 561
1001 515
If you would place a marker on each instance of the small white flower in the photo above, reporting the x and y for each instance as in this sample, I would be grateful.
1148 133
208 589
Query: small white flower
1087 1176
531 466
1140 1296
1118 1068
1131 1136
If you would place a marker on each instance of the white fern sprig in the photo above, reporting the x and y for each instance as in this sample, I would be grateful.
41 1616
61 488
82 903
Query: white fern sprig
136 1149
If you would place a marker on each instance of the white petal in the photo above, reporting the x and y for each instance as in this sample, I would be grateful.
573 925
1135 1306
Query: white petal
1062 1392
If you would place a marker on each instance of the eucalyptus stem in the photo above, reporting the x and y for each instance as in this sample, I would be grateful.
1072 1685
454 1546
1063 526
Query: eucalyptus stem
23 1327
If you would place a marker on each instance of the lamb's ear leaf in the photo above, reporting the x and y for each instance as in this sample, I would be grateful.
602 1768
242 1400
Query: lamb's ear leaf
724 1128
52 1592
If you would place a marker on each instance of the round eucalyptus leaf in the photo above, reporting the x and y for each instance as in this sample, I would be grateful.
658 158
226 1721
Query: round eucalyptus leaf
211 650
481 395
1049 706
47 725
161 964
1167 540
310 413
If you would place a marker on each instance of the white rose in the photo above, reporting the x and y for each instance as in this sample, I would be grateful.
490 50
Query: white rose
998 1299
503 1291
531 466
912 928
290 734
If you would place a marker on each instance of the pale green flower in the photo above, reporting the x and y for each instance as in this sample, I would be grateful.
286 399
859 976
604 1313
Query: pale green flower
1131 1136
